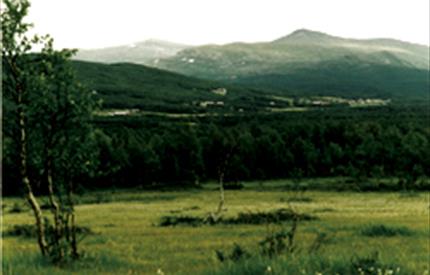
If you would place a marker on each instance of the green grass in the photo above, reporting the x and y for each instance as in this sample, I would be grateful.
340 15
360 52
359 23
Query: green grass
128 240
314 264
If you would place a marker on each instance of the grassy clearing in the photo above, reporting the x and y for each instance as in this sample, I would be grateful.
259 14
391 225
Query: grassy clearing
128 240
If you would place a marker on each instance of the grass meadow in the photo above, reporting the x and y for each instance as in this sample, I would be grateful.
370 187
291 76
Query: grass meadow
365 233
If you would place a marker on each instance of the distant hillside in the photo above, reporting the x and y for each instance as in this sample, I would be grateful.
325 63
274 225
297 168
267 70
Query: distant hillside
126 86
147 52
313 62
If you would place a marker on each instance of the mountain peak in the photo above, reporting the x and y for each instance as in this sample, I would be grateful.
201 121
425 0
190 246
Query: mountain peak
160 42
305 32
305 36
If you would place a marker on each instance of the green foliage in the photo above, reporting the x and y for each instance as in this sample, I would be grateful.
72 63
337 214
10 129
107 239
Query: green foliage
17 208
278 216
381 230
277 243
29 231
371 265
297 199
233 186
58 109
237 254
181 220
358 144
48 124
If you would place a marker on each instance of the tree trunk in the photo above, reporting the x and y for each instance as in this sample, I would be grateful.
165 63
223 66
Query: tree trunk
221 173
37 212
55 208
73 241
221 194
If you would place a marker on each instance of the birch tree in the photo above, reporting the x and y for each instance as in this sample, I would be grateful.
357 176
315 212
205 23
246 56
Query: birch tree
49 125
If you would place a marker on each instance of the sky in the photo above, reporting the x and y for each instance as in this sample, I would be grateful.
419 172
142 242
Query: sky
89 24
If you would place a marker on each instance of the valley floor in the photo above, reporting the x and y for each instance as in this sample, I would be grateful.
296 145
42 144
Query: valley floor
127 239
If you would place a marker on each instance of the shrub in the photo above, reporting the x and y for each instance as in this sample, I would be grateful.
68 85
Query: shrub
29 231
321 239
380 230
233 186
409 194
16 208
324 210
277 216
255 218
181 220
279 242
371 265
296 199
237 254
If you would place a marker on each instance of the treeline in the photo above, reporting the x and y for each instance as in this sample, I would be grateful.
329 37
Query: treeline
139 152
270 150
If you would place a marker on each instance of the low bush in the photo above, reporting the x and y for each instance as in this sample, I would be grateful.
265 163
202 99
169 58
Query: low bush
321 239
277 216
233 186
105 197
254 218
16 208
181 220
296 199
409 194
277 243
236 254
29 231
324 210
371 265
381 230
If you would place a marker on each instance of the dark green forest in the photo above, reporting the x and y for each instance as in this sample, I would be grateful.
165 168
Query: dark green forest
149 151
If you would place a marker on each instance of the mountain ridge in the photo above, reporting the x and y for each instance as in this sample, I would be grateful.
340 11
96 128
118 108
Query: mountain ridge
143 52
308 62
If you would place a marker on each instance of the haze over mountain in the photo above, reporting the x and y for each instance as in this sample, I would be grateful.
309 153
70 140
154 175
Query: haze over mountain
147 52
301 46
314 63
303 62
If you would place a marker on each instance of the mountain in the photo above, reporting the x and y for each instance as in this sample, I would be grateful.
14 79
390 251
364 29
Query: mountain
314 63
147 52
134 86
303 63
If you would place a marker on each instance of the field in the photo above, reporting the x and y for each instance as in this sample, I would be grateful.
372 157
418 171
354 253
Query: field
126 237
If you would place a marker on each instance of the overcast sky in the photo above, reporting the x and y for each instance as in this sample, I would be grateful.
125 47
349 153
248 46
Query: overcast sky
102 23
